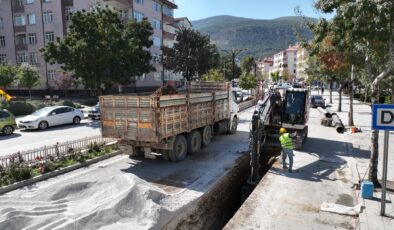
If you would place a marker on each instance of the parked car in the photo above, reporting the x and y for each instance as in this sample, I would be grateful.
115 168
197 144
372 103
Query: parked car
7 122
51 116
283 85
94 112
316 101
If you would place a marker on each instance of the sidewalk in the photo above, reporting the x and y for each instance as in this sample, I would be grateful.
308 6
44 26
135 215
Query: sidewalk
370 217
325 171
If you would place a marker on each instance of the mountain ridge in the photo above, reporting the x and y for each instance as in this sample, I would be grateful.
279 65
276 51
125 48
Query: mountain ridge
260 37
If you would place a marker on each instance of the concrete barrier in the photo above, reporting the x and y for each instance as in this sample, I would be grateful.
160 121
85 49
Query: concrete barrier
247 104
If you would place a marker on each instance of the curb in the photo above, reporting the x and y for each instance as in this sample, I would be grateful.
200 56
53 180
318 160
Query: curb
56 173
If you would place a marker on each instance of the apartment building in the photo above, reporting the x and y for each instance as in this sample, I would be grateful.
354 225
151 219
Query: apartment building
285 62
265 66
27 25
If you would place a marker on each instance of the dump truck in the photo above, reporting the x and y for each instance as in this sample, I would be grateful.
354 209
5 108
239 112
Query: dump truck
168 123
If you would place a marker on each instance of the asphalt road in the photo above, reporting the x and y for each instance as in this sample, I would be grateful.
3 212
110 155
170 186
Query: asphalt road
23 140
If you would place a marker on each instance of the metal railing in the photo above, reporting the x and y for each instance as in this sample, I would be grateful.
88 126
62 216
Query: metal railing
55 151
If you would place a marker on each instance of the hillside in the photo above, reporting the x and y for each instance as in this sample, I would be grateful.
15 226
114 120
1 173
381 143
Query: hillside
260 37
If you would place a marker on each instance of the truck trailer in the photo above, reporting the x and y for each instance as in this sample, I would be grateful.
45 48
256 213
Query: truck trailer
168 123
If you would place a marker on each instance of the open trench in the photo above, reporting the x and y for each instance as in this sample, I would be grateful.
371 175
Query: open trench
216 207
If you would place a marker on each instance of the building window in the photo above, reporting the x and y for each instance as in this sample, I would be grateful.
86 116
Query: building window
51 74
1 24
32 19
156 41
21 39
45 1
294 71
50 36
48 17
19 20
139 2
141 78
32 39
156 6
123 14
3 58
138 16
21 58
157 76
167 11
19 2
2 41
29 1
68 11
156 24
33 58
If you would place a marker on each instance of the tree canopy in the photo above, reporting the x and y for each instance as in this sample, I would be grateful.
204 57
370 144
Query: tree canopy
28 76
192 55
7 75
102 50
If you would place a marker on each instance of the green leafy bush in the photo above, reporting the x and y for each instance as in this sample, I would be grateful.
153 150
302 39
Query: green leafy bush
68 103
89 102
51 166
20 108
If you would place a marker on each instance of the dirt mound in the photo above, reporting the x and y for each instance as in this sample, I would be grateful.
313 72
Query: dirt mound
121 202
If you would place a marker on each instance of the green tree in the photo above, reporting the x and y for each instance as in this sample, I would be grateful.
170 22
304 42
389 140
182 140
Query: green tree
248 82
248 64
192 54
275 76
28 76
213 75
7 75
370 27
102 50
228 69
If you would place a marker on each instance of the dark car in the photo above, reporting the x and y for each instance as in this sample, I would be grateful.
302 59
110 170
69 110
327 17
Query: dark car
317 101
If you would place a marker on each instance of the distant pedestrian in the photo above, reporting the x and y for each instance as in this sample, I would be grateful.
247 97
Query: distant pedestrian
286 140
322 90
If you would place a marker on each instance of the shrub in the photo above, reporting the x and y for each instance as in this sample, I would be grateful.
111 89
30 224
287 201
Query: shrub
20 172
20 108
89 102
51 166
68 103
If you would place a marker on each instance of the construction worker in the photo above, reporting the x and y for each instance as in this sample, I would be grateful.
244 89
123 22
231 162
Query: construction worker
286 140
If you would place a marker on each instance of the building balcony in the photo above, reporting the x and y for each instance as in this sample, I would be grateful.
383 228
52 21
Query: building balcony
127 3
168 36
20 29
17 9
167 19
21 47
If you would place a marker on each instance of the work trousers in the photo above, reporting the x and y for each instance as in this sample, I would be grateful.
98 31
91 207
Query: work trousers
287 153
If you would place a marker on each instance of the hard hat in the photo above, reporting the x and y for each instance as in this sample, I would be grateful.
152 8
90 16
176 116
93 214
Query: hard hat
282 130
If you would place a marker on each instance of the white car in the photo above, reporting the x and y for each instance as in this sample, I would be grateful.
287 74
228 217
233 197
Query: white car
51 116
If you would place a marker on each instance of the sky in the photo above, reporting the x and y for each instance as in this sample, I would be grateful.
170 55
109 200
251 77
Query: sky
257 9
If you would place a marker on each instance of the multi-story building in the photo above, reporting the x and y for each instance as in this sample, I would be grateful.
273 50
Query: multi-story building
302 57
27 25
285 62
264 67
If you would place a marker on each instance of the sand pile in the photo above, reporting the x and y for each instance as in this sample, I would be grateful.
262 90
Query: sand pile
121 202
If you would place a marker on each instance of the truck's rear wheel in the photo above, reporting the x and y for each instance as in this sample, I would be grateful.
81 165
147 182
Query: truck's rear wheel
193 142
179 149
206 134
164 154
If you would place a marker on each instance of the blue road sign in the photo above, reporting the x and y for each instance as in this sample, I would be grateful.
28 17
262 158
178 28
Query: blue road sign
383 117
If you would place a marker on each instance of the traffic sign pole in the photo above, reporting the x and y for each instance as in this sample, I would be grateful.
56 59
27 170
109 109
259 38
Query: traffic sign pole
384 184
